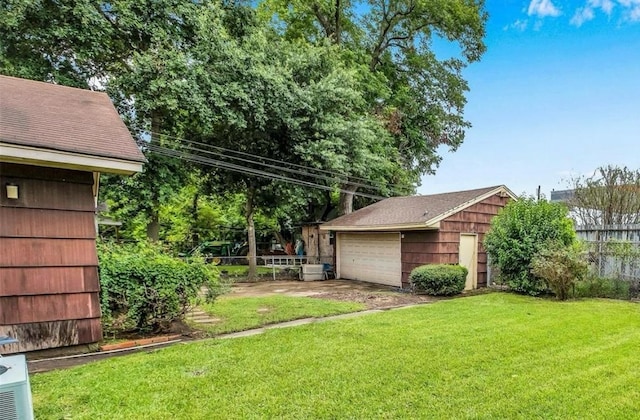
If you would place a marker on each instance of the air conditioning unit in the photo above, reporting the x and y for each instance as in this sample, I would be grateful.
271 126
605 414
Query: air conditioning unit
15 391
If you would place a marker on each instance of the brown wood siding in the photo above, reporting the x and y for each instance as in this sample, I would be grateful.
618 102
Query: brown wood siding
20 281
38 252
38 223
41 335
59 307
48 262
418 248
442 247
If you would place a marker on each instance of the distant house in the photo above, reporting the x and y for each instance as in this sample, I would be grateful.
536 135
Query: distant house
383 242
55 142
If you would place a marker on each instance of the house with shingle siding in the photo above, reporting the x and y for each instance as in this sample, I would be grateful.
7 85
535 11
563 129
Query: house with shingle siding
55 141
383 242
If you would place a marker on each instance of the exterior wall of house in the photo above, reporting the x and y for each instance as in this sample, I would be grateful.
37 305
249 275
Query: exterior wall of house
48 262
441 247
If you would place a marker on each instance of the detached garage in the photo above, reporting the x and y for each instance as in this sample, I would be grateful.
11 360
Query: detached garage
383 242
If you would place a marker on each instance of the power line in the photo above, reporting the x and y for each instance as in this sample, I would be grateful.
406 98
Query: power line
392 187
280 168
246 170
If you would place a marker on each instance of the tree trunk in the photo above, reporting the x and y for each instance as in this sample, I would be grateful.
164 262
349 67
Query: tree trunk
251 234
195 237
153 227
346 199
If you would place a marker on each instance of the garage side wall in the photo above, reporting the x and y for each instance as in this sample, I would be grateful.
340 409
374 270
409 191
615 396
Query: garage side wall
442 246
48 262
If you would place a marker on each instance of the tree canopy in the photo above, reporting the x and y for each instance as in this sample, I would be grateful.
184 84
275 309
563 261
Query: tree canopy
289 104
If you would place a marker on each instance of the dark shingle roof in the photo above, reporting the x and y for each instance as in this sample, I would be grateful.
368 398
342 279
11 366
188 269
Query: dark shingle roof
54 117
414 210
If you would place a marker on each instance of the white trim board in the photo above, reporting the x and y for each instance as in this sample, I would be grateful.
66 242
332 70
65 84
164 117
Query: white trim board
12 153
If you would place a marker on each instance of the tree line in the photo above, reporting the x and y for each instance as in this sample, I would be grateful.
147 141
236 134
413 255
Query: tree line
233 101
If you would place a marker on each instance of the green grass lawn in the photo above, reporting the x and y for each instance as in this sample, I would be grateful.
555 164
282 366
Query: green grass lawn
243 313
242 270
488 356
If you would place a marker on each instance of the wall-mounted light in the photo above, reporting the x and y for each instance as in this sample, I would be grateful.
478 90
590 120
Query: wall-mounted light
12 191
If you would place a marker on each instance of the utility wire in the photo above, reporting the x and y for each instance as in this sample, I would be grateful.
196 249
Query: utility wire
246 170
280 168
338 175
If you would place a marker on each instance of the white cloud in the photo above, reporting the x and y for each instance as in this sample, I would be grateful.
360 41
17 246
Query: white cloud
543 8
519 25
582 15
605 5
634 14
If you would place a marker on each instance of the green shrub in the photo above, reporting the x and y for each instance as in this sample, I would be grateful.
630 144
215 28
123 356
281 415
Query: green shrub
601 287
143 289
519 232
439 279
560 267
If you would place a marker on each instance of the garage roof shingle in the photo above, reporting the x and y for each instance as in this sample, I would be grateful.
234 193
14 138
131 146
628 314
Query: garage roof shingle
54 117
413 210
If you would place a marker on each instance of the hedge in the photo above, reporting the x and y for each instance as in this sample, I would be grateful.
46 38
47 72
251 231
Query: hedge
144 289
439 279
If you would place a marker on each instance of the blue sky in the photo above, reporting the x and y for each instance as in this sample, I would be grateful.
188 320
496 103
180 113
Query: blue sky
557 94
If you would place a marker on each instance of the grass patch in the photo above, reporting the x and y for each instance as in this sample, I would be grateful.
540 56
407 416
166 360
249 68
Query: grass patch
488 356
238 314
242 270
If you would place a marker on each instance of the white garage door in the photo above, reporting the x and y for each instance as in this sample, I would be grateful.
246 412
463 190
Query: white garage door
373 257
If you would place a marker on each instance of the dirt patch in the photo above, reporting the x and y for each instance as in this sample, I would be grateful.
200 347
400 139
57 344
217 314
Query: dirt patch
376 300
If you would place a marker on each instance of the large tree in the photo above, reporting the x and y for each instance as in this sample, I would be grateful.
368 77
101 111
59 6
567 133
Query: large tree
136 50
418 95
294 103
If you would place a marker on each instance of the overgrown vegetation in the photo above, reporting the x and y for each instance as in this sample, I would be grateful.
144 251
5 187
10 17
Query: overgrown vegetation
238 314
560 267
594 286
496 355
519 232
438 279
143 289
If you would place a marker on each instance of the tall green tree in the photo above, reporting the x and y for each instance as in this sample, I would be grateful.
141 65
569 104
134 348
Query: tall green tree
419 96
136 50
290 101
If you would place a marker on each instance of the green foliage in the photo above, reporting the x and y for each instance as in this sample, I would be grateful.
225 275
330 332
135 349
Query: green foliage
417 96
594 286
519 232
560 267
439 279
297 81
144 289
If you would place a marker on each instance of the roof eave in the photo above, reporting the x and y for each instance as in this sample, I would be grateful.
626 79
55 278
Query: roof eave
382 228
12 153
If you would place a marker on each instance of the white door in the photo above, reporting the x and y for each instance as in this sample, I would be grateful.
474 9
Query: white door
468 258
372 257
